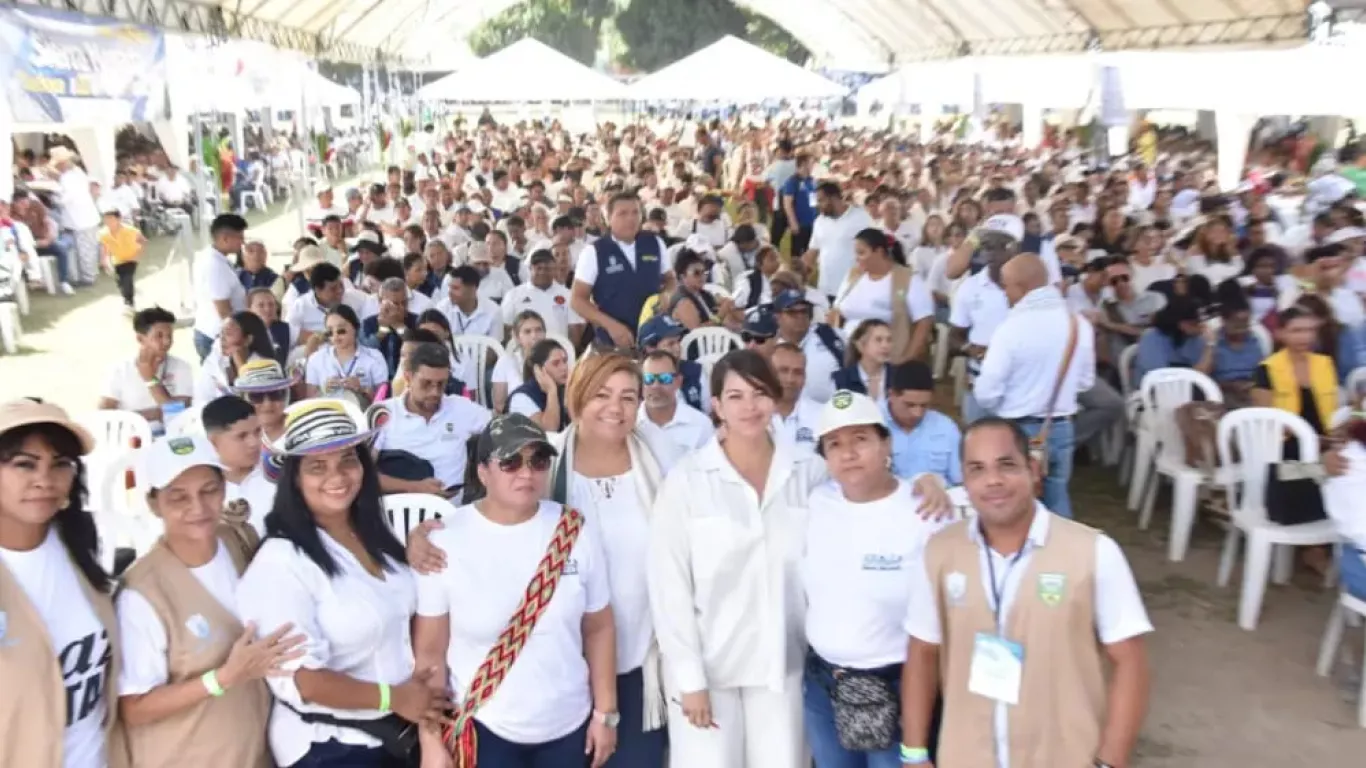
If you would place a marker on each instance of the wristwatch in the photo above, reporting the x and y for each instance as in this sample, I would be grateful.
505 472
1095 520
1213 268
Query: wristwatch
609 719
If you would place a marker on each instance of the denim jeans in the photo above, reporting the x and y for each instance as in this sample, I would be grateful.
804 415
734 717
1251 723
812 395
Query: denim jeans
971 410
564 752
334 754
636 747
1352 571
58 251
819 715
1061 443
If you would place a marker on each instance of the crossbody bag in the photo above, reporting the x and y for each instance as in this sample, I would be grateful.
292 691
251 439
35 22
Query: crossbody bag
459 735
1038 445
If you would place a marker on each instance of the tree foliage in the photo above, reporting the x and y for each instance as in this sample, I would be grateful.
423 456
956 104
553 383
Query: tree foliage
565 25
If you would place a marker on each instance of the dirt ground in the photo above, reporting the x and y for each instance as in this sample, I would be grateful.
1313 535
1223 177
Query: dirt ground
1222 697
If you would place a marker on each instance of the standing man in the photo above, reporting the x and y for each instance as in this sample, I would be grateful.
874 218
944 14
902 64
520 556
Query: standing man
798 206
776 176
218 292
923 439
1013 616
618 273
1041 358
79 215
832 238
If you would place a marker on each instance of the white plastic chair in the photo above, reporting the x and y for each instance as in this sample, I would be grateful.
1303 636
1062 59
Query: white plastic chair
474 355
712 341
1332 639
1161 392
1263 337
121 514
251 198
1349 393
1259 437
115 431
1133 407
11 330
1162 395
21 292
47 272
406 510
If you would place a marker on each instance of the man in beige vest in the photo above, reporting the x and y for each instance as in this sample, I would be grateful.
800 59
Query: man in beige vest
1014 614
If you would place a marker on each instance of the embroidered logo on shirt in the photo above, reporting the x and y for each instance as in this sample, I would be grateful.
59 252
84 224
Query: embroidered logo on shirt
955 588
882 562
805 435
198 626
181 446
615 266
1051 587
571 567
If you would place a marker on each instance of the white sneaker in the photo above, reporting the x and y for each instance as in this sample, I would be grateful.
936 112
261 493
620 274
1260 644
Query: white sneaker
67 290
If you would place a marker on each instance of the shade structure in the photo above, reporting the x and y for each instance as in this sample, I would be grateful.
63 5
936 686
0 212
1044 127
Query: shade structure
733 71
526 71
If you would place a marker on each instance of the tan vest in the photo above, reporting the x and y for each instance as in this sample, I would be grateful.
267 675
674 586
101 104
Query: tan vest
902 326
32 693
1058 722
224 732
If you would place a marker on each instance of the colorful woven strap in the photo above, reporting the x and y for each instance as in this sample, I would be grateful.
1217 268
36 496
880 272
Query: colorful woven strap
459 737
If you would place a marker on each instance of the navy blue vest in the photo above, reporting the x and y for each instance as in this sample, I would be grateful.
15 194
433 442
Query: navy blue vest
279 338
514 269
390 345
831 340
848 378
301 285
533 390
264 279
692 382
620 291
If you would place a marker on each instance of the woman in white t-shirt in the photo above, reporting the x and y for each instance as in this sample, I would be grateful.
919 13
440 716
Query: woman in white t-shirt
558 700
868 292
244 338
332 569
860 541
342 367
1213 252
1145 263
57 696
932 245
192 690
527 329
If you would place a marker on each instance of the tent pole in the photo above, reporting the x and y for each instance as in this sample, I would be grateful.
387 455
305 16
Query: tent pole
201 186
307 137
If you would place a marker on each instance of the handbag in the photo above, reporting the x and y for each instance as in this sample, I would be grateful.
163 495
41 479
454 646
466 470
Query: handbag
1038 445
459 735
396 736
867 710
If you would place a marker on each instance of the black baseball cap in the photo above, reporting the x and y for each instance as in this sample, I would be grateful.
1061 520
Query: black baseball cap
506 436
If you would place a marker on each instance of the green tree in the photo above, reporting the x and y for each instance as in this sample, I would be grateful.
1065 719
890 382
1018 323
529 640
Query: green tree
659 32
767 34
565 25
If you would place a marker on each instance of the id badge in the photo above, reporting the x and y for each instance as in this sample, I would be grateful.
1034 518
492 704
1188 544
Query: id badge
997 668
812 200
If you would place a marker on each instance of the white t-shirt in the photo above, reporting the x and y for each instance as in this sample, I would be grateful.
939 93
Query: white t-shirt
440 440
855 572
834 238
143 635
546 694
174 191
521 403
78 640
508 370
215 280
496 284
126 386
612 505
1154 271
368 365
552 304
78 207
871 299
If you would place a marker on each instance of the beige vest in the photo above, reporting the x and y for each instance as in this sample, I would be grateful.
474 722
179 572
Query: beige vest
902 326
224 732
32 693
1058 722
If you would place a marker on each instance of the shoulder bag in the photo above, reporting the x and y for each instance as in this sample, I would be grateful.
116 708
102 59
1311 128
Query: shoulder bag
1038 445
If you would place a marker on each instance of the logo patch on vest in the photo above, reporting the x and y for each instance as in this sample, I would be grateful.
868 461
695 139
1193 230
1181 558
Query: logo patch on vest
955 588
1051 587
614 266
198 626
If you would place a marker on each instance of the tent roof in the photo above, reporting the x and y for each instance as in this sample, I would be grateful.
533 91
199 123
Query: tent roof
732 70
527 70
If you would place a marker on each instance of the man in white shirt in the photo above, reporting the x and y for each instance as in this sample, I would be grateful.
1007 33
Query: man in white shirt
234 430
685 426
174 190
822 346
795 418
469 313
307 315
151 378
127 196
708 224
326 206
545 297
1020 380
79 215
832 237
430 425
895 224
378 209
218 291
494 282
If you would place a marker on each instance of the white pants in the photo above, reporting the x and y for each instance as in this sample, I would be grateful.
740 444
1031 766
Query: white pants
756 728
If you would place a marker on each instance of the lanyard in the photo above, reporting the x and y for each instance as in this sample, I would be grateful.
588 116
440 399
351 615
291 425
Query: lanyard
997 593
349 368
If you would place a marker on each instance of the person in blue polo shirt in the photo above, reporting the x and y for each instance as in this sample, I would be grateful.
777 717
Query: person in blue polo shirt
664 333
799 204
923 439
615 276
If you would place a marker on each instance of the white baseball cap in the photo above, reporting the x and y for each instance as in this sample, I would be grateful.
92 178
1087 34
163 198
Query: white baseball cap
1006 224
848 409
169 457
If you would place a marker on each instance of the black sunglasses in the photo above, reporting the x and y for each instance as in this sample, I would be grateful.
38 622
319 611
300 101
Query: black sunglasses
256 398
753 338
539 462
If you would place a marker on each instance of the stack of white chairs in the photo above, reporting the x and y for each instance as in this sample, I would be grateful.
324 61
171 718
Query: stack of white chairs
405 511
120 510
474 353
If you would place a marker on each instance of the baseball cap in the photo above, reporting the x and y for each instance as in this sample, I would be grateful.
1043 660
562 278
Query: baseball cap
788 299
1006 224
761 324
848 409
506 436
167 459
657 329
28 411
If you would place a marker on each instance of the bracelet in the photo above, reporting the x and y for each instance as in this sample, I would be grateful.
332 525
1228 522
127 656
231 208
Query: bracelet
384 697
153 382
914 755
210 681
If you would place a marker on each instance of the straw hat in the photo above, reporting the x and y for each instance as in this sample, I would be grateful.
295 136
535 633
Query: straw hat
263 376
321 425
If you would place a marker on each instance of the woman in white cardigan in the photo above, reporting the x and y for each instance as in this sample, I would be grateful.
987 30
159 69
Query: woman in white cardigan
725 585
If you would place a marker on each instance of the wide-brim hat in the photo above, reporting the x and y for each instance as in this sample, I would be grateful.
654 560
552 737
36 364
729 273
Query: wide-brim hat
263 376
29 411
321 425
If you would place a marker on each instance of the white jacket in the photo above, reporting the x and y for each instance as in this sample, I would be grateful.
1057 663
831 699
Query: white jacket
724 574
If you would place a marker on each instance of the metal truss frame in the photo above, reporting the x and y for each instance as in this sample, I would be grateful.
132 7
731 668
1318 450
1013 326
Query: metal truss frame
216 23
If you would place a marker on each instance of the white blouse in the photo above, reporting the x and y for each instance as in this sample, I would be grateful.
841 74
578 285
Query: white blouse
368 365
724 570
613 506
355 624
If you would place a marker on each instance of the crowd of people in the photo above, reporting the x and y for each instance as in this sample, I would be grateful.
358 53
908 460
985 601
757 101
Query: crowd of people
653 550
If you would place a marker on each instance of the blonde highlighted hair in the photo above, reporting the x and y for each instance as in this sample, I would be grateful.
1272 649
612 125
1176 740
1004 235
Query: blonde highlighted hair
591 374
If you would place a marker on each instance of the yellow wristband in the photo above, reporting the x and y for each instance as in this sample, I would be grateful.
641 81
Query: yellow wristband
210 681
384 697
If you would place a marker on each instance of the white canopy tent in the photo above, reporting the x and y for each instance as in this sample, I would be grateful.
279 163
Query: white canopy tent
526 71
733 71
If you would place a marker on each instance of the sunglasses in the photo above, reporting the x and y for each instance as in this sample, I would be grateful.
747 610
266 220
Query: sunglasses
256 398
657 378
753 338
539 462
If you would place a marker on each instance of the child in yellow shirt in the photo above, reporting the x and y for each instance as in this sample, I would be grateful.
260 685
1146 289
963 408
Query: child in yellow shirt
120 247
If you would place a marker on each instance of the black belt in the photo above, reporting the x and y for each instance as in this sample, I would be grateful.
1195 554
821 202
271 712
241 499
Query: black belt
1039 419
890 672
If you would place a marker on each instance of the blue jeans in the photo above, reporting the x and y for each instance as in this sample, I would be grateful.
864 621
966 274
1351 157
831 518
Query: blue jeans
971 410
636 747
819 715
58 251
334 754
1062 442
202 345
1352 571
564 752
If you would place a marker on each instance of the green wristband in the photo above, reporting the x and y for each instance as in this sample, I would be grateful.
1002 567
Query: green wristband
914 755
210 681
384 697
